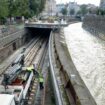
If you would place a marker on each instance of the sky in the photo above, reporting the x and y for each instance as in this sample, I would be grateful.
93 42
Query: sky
96 2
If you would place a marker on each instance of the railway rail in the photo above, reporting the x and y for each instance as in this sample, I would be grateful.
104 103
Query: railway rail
29 61
28 48
39 59
35 53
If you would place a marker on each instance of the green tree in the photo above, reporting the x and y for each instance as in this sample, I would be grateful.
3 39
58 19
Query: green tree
11 5
79 12
42 5
21 8
27 8
100 12
83 9
36 6
3 10
64 11
72 11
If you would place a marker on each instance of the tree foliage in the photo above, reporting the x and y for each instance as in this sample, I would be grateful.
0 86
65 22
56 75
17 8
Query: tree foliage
83 9
36 6
3 8
3 11
100 12
64 11
14 8
72 12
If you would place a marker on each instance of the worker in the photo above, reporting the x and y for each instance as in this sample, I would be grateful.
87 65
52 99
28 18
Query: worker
35 70
22 60
30 69
41 80
5 81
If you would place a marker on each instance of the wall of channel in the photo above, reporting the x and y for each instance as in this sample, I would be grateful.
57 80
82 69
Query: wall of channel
11 43
95 25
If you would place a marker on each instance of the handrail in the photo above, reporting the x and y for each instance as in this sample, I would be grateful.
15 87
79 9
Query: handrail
56 87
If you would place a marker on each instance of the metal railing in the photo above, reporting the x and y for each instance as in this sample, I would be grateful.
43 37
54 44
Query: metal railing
55 84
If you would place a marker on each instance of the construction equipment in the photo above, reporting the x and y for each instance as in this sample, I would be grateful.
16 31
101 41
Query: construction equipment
15 84
11 74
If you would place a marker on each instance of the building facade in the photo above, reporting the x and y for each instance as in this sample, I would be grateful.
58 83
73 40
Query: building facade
60 7
73 8
50 8
102 4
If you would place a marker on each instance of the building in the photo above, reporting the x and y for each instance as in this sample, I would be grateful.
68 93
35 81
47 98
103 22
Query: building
102 4
73 8
50 8
92 8
60 7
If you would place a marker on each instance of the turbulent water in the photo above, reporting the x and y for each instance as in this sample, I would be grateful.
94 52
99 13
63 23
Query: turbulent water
88 54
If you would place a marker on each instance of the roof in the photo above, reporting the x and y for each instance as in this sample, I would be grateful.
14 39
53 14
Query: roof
6 99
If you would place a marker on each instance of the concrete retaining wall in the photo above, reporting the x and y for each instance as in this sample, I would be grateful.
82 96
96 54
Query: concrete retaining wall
75 87
95 25
11 43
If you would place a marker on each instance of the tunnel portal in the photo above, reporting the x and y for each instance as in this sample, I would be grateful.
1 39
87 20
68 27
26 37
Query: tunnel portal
43 32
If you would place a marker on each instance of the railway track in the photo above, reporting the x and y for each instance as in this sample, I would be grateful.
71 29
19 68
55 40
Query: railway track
34 99
8 64
34 54
41 98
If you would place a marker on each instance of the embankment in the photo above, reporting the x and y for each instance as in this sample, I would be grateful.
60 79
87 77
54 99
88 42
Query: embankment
95 25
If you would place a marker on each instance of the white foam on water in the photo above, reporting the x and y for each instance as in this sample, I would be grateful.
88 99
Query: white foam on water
88 54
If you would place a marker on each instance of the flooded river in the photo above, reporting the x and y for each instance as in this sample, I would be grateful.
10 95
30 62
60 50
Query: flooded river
88 54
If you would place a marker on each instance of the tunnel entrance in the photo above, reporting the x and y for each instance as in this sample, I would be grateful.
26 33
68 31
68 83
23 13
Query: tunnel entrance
43 32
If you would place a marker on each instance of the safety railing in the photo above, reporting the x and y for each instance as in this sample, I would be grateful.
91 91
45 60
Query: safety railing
54 80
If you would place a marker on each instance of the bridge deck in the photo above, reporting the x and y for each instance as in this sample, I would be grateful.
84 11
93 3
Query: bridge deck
45 25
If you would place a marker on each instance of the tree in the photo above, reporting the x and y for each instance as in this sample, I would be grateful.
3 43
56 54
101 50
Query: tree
72 12
79 12
14 8
83 9
100 12
42 4
64 11
3 10
21 8
36 6
11 8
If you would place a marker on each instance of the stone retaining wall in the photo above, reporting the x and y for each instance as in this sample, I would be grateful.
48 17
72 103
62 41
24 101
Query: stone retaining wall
95 25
